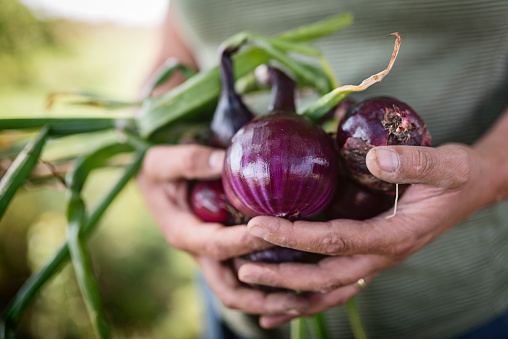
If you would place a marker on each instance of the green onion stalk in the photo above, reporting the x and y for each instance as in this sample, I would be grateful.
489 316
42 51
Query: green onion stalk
162 119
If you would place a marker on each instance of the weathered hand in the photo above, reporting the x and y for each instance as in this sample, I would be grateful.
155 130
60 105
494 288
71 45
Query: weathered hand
449 187
163 181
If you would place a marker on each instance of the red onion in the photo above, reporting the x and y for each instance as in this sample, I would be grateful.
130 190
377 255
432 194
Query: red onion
276 255
380 121
280 164
353 201
231 112
209 203
207 199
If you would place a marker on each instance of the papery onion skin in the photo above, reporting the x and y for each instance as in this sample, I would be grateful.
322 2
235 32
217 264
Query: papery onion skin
281 165
380 121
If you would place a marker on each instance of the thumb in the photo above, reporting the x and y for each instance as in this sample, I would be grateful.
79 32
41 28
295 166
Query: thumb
165 163
447 166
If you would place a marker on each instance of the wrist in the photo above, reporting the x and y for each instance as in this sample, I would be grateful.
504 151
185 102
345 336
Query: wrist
492 175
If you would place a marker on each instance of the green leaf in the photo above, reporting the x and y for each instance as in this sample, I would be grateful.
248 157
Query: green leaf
197 97
67 126
86 98
354 319
20 169
37 281
328 101
318 326
298 328
88 162
164 73
83 267
319 29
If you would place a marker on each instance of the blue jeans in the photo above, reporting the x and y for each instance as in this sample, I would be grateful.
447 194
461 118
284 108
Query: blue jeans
494 329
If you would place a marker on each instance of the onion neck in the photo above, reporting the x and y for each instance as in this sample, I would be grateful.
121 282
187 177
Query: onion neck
231 113
227 77
283 93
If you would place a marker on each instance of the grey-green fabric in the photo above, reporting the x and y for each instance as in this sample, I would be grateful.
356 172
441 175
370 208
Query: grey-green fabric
453 70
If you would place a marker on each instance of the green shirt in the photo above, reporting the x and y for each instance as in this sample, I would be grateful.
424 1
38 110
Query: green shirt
453 70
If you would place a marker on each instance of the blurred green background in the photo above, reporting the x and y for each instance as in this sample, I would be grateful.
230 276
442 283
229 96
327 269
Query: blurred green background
147 287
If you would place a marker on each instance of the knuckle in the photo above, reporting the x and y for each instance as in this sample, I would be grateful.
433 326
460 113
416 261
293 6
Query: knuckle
329 286
216 251
149 162
462 169
192 160
422 162
333 244
227 300
405 246
176 244
459 163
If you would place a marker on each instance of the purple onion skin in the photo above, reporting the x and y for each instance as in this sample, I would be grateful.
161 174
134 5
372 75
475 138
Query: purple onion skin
380 121
276 255
353 201
208 202
281 165
207 198
231 112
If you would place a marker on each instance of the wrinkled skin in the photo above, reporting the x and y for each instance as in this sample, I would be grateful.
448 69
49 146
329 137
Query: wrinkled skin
276 255
379 121
164 181
450 183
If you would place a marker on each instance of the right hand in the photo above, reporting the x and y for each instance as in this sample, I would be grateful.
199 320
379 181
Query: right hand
163 181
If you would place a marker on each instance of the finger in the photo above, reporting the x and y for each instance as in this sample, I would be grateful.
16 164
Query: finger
188 233
318 302
235 295
446 166
325 276
338 237
165 163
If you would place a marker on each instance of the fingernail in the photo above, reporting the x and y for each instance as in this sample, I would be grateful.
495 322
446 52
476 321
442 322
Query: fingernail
293 311
216 159
387 159
258 232
248 277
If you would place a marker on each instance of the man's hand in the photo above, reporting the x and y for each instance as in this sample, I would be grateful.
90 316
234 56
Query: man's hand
164 183
449 187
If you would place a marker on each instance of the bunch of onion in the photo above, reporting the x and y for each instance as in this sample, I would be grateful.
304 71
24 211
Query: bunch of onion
379 121
282 164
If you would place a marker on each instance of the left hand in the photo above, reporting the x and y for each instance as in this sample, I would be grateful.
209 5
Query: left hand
449 187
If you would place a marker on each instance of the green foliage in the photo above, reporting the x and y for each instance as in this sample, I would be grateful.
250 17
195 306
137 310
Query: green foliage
83 217
21 35
146 286
20 31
